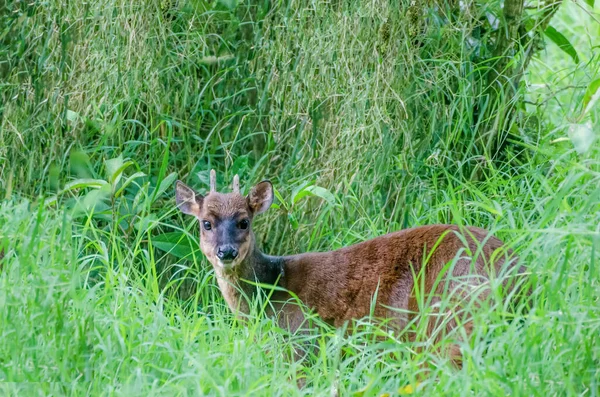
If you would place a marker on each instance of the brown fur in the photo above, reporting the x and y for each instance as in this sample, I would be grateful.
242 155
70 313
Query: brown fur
340 285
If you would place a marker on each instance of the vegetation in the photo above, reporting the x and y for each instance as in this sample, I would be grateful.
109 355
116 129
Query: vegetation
366 118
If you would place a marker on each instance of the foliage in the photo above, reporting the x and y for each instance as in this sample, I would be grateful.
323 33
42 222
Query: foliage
365 116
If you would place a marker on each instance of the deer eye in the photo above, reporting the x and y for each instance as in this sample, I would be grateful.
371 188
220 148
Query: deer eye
243 224
207 225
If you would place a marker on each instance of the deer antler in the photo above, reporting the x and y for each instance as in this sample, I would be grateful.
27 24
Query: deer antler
213 181
236 184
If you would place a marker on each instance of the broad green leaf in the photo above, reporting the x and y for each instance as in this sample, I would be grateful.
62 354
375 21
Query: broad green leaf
84 183
117 173
99 184
322 193
92 202
96 200
165 184
591 96
112 165
312 190
204 177
177 244
128 182
300 195
562 42
590 3
300 192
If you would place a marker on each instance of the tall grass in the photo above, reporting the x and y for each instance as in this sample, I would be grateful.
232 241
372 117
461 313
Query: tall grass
339 94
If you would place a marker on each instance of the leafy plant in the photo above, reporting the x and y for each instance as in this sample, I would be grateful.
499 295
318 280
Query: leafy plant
305 190
119 199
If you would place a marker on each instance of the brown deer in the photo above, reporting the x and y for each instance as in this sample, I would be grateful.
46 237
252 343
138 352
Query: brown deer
340 285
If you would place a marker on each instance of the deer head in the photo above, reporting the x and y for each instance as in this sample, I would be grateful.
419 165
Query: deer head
226 236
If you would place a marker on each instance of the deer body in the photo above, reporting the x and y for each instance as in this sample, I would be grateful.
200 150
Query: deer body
340 285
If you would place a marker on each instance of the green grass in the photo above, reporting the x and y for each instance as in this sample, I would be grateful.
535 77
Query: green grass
302 93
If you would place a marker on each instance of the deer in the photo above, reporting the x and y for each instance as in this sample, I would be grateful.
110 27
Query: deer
340 285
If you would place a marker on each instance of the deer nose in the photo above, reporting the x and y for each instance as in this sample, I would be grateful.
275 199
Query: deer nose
227 253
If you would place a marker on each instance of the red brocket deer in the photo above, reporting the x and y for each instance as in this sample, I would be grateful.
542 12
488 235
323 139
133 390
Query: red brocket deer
340 285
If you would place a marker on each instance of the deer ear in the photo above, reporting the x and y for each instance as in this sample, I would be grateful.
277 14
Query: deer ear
260 197
188 201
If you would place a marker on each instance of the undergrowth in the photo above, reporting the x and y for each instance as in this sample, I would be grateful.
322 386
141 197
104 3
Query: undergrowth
363 128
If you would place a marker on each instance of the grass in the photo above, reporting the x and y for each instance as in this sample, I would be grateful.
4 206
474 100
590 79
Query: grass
100 95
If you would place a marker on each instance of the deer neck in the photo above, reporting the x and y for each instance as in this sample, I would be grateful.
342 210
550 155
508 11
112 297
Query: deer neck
256 267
